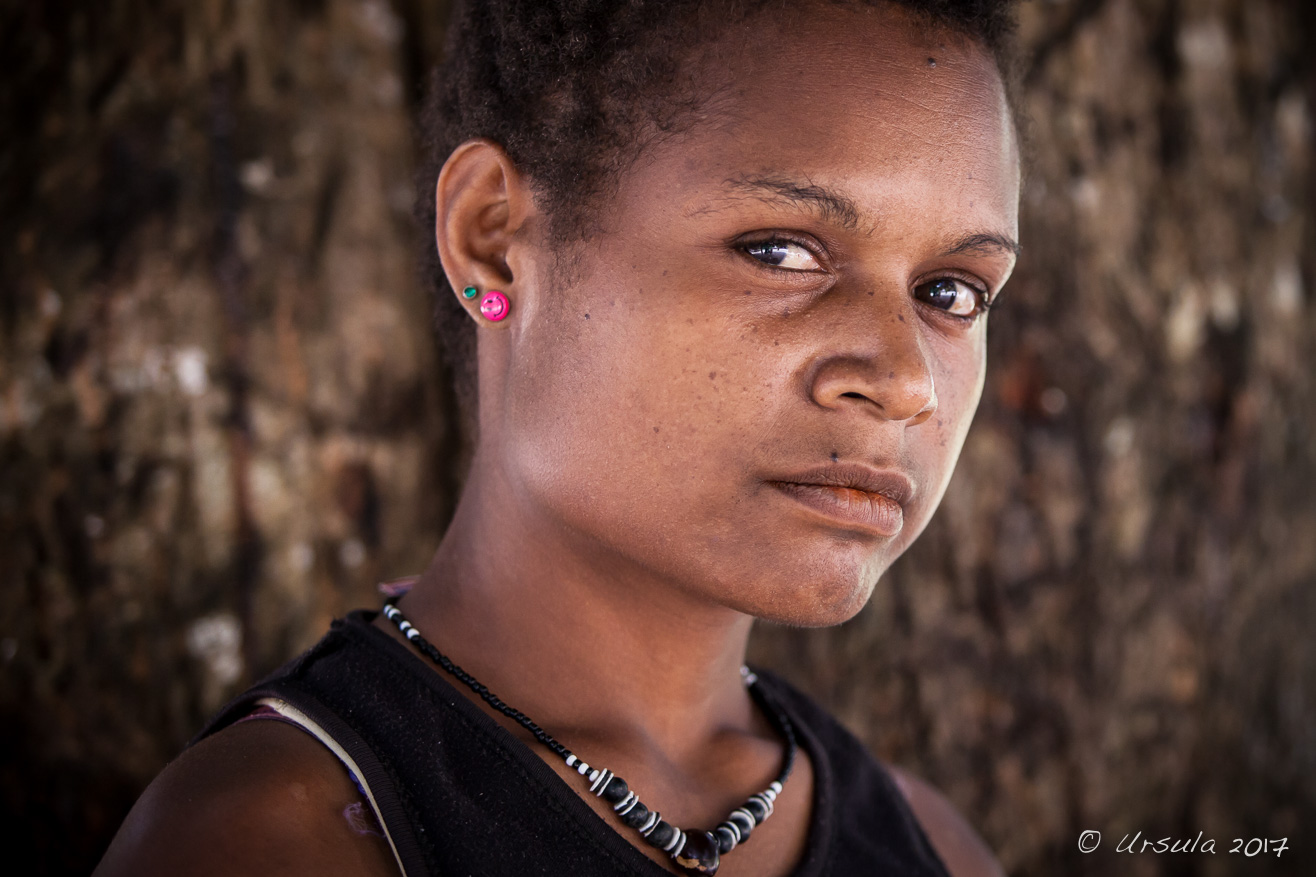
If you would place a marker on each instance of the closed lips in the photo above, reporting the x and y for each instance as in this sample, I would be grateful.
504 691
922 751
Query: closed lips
856 498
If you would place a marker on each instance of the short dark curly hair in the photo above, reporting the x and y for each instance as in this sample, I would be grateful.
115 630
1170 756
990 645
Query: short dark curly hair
573 90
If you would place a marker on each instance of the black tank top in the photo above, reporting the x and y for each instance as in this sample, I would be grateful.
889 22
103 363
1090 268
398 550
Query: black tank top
459 795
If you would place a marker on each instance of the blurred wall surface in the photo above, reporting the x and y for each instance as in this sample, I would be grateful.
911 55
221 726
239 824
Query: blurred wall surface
223 419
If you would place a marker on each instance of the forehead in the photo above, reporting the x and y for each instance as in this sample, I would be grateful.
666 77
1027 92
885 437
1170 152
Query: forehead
867 102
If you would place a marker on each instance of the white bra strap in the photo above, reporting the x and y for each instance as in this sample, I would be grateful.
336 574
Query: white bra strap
306 723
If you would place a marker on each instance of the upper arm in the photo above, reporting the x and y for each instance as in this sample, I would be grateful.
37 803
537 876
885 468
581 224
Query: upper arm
258 797
959 846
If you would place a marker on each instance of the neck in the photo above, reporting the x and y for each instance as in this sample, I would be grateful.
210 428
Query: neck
588 643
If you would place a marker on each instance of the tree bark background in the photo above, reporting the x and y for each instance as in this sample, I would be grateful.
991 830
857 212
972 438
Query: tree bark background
223 419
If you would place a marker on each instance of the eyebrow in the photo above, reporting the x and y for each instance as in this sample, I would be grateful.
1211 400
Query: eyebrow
831 205
834 206
983 243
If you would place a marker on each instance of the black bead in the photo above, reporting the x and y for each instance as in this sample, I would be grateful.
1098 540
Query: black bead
661 835
743 822
615 790
638 816
699 855
726 840
756 809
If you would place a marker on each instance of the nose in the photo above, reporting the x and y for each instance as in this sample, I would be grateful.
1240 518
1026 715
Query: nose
889 374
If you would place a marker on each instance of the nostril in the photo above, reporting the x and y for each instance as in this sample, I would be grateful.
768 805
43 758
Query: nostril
861 383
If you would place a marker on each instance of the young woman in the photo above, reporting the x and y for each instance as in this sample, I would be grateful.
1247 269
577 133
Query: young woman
725 268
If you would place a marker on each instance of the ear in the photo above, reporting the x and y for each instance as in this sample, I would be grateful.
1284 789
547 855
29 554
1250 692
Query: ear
482 203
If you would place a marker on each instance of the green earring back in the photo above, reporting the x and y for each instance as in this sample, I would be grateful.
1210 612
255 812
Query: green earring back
470 292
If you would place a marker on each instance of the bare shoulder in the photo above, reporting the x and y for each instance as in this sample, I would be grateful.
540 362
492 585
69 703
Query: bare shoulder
960 847
258 797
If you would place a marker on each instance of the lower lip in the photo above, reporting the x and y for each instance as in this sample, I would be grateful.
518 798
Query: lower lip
857 509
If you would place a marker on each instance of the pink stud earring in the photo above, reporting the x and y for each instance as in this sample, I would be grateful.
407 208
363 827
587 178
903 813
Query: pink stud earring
494 305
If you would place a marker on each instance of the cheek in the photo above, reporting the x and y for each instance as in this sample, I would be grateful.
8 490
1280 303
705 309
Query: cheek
627 415
967 386
959 380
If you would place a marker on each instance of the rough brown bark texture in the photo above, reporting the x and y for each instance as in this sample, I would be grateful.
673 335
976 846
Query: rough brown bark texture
222 419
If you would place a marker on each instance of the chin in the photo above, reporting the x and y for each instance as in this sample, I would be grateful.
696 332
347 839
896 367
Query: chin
825 598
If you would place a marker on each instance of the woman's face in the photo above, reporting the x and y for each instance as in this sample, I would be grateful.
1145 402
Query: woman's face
753 383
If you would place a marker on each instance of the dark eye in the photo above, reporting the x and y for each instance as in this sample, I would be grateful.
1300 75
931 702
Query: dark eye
783 254
952 296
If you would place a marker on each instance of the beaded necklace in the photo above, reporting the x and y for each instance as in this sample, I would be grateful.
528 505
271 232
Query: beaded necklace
697 852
